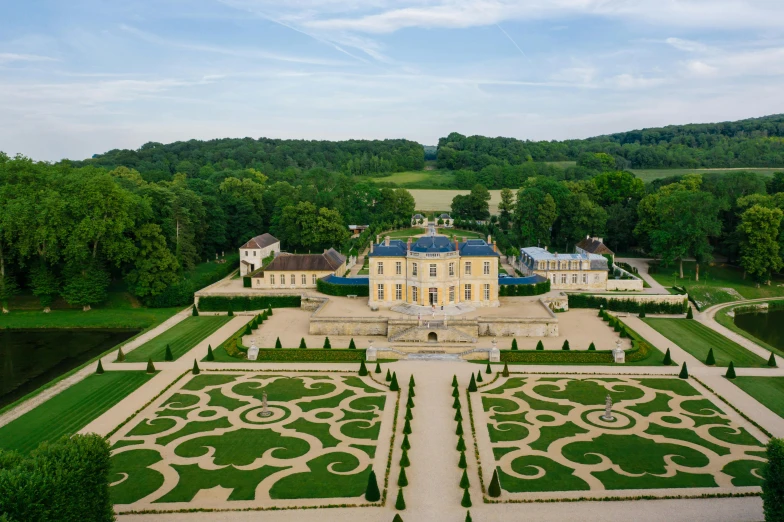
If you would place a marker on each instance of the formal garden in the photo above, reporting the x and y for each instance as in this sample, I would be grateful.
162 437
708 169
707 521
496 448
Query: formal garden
550 434
255 440
179 339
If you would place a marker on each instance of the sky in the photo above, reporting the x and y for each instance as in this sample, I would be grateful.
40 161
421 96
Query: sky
81 77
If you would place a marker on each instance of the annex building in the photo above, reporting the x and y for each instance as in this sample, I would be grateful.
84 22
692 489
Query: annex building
434 271
299 271
579 271
255 250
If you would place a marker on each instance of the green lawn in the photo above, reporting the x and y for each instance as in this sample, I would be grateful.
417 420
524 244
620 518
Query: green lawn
717 284
71 410
725 320
95 318
648 175
767 390
698 340
180 338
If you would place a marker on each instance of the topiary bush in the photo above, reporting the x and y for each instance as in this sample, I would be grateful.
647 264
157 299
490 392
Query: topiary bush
378 368
505 373
565 345
195 312
592 347
216 303
488 370
302 343
466 502
393 385
514 344
667 358
479 377
388 377
402 479
351 345
210 355
464 482
539 345
494 490
710 360
195 370
404 461
362 369
462 462
167 356
684 372
278 345
327 345
99 370
773 485
150 366
120 355
472 384
372 494
689 314
730 371
772 361
400 503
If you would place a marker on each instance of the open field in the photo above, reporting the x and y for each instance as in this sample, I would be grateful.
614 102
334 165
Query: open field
767 390
547 434
718 284
651 174
180 338
441 200
95 318
320 442
405 233
417 179
70 410
698 339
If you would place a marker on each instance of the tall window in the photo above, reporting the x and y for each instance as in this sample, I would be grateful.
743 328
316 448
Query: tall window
487 292
304 279
313 278
398 268
398 292
380 270
486 269
414 269
553 276
432 270
415 293
585 278
293 279
467 292
246 253
451 294
563 279
468 268
283 279
574 279
451 270
272 279
380 292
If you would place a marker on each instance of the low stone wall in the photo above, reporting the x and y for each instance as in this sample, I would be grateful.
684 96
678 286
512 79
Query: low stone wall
625 284
348 326
646 298
517 327
468 327
312 304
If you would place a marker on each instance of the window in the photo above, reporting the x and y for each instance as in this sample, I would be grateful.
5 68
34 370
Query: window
380 270
398 292
293 279
486 269
380 292
398 268
304 279
246 253
254 253
451 270
432 270
467 292
585 278
574 279
468 268
414 270
272 279
451 294
283 279
563 279
487 292
313 279
553 276
415 293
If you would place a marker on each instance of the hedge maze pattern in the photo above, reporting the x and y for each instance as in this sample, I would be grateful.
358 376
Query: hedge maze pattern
319 442
547 434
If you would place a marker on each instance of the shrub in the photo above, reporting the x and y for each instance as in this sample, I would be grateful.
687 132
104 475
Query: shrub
402 479
269 307
210 355
455 392
393 385
410 401
302 343
468 517
248 329
378 368
388 378
400 503
397 518
459 429
625 305
773 486
456 403
328 288
120 355
461 445
592 347
684 372
150 366
168 355
277 343
464 482
247 282
505 373
479 376
411 392
326 343
254 323
218 303
667 358
411 382
195 370
404 461
772 361
362 368
539 345
689 314
560 356
409 415
372 493
472 384
710 360
454 381
351 345
730 371
488 369
466 502
231 313
514 344
494 490
99 370
195 312
565 345
642 313
406 445
462 462
458 416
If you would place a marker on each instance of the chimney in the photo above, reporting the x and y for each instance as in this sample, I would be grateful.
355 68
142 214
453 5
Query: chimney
600 239
588 236
545 248
489 239
371 247
386 241
465 239
378 239
495 247
457 245
408 244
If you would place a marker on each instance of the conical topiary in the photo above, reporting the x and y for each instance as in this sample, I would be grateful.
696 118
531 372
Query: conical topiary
684 372
454 381
456 403
230 313
479 377
730 371
468 517
397 518
458 416
406 445
150 367
462 462
269 311
461 445
407 428
772 360
120 355
455 392
472 384
99 370
565 345
393 385
409 415
327 345
378 368
402 479
459 430
642 313
410 401
167 356
411 392
592 347
210 355
372 493
195 311
302 343
505 373
667 358
494 490
351 345
254 325
411 382
514 344
277 343
539 345
689 314
464 483
466 502
388 378
488 369
710 360
400 503
404 462
362 369
195 369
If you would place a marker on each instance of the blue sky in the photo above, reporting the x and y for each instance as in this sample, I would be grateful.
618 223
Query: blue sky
86 76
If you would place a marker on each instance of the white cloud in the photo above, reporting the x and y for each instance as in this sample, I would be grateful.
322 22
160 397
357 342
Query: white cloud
630 81
14 57
687 45
698 68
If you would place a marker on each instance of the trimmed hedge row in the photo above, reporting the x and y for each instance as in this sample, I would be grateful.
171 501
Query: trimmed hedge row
641 348
557 356
529 289
342 290
311 355
217 303
625 305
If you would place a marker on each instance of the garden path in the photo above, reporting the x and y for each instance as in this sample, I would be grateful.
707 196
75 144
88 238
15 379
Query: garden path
708 318
641 264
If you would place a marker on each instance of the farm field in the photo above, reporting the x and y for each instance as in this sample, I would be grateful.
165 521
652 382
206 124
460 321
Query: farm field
71 410
548 434
441 200
767 390
180 338
648 175
698 339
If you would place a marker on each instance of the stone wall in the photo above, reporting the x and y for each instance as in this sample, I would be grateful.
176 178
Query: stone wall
348 326
516 327
468 327
647 298
625 284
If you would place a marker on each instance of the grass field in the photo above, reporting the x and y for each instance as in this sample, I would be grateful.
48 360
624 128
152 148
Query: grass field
550 430
96 318
180 338
71 410
648 175
698 339
441 200
767 390
717 284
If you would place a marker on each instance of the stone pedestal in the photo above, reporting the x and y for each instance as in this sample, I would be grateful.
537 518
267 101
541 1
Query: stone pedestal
371 354
253 352
495 353
619 356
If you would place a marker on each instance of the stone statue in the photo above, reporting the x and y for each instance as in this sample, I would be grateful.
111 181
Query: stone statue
264 410
608 416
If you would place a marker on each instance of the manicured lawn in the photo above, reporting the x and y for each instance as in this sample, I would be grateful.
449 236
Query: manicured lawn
767 390
71 410
549 428
95 318
698 340
717 284
180 338
725 320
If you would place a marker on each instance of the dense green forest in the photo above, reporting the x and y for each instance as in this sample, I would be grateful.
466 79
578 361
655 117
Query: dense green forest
757 142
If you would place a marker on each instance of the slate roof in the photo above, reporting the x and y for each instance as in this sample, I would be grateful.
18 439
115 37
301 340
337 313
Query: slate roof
594 246
434 245
329 261
444 216
540 254
262 241
418 216
396 248
477 247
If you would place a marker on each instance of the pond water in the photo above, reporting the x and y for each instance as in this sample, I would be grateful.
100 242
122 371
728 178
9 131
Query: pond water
768 327
31 358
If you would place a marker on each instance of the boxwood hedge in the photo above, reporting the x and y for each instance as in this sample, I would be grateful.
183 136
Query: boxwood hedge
529 289
219 303
625 305
342 290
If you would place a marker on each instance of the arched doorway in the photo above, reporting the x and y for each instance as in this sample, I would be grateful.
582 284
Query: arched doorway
432 337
